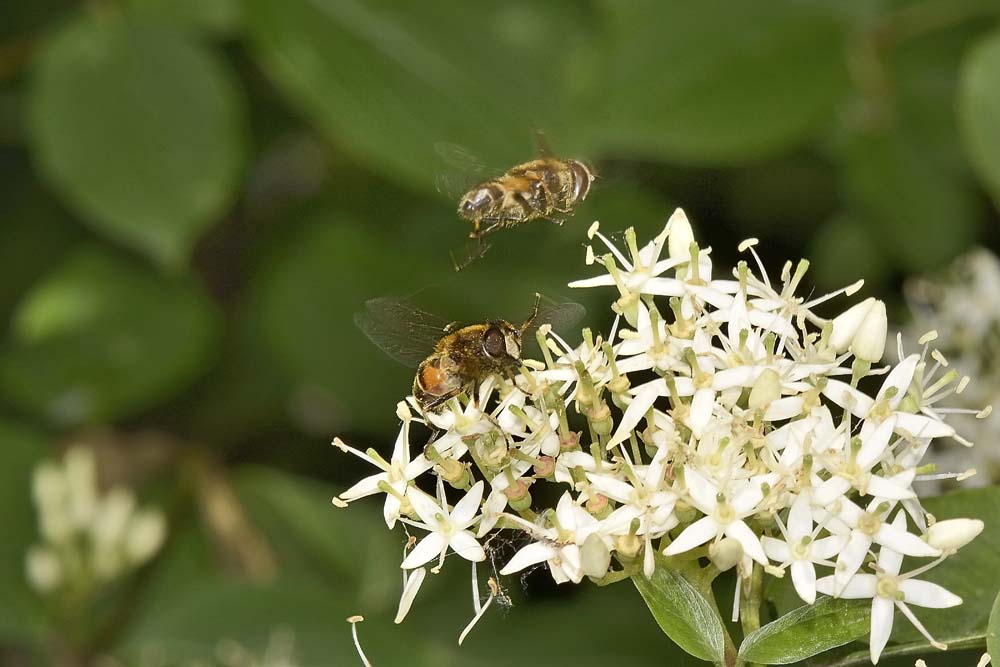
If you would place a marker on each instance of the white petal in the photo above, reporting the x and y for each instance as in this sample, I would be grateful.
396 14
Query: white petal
571 563
596 281
409 593
467 508
927 594
896 487
800 517
695 535
365 487
899 378
903 542
831 490
740 376
427 509
848 397
850 559
860 586
610 487
428 548
465 545
776 550
875 444
702 491
391 510
634 413
661 286
701 411
784 408
746 499
828 547
536 552
804 579
741 532
881 626
918 426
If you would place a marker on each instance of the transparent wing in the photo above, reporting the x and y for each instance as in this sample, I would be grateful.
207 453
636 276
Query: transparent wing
470 252
561 316
461 169
400 329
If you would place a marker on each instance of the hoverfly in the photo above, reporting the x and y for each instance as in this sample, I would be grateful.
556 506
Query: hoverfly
451 358
545 188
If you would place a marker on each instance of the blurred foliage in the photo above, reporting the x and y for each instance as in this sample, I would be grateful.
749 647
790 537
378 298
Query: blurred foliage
196 195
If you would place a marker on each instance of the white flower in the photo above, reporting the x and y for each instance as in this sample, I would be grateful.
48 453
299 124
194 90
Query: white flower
864 528
862 329
448 528
395 478
559 544
890 590
724 514
801 550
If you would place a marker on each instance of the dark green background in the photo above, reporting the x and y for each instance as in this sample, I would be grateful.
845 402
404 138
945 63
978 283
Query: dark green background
196 195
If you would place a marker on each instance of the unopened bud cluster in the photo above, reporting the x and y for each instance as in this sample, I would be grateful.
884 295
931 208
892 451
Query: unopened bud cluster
87 537
721 417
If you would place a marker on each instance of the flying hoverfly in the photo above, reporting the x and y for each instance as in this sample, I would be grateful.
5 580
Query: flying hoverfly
451 358
545 188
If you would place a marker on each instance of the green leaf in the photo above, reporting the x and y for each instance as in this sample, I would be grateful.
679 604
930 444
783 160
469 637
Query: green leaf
387 80
716 82
979 111
683 613
140 129
100 338
221 17
21 614
993 631
806 631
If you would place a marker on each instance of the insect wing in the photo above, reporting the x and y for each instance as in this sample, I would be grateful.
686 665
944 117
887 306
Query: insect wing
401 330
461 170
470 252
561 316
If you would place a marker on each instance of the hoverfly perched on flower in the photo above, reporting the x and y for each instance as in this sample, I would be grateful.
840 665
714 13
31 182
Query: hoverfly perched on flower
451 358
546 188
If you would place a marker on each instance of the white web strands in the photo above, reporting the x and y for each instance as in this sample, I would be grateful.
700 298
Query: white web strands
721 417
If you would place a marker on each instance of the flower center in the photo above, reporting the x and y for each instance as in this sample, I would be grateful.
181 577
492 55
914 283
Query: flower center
724 513
869 523
801 549
887 588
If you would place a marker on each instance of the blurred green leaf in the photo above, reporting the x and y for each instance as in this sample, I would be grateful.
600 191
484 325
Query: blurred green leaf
979 111
909 185
222 17
993 631
716 82
140 129
845 249
350 549
20 609
683 613
101 337
387 80
807 631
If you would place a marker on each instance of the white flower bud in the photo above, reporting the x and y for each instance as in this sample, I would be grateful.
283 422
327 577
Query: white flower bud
48 486
766 389
681 236
869 343
81 480
146 534
725 553
953 534
112 518
847 324
595 557
43 569
862 329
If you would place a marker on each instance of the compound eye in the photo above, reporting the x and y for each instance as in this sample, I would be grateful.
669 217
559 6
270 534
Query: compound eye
493 343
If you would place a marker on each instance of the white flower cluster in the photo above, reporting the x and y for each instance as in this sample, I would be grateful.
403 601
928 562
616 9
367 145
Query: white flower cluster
88 537
962 308
721 418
